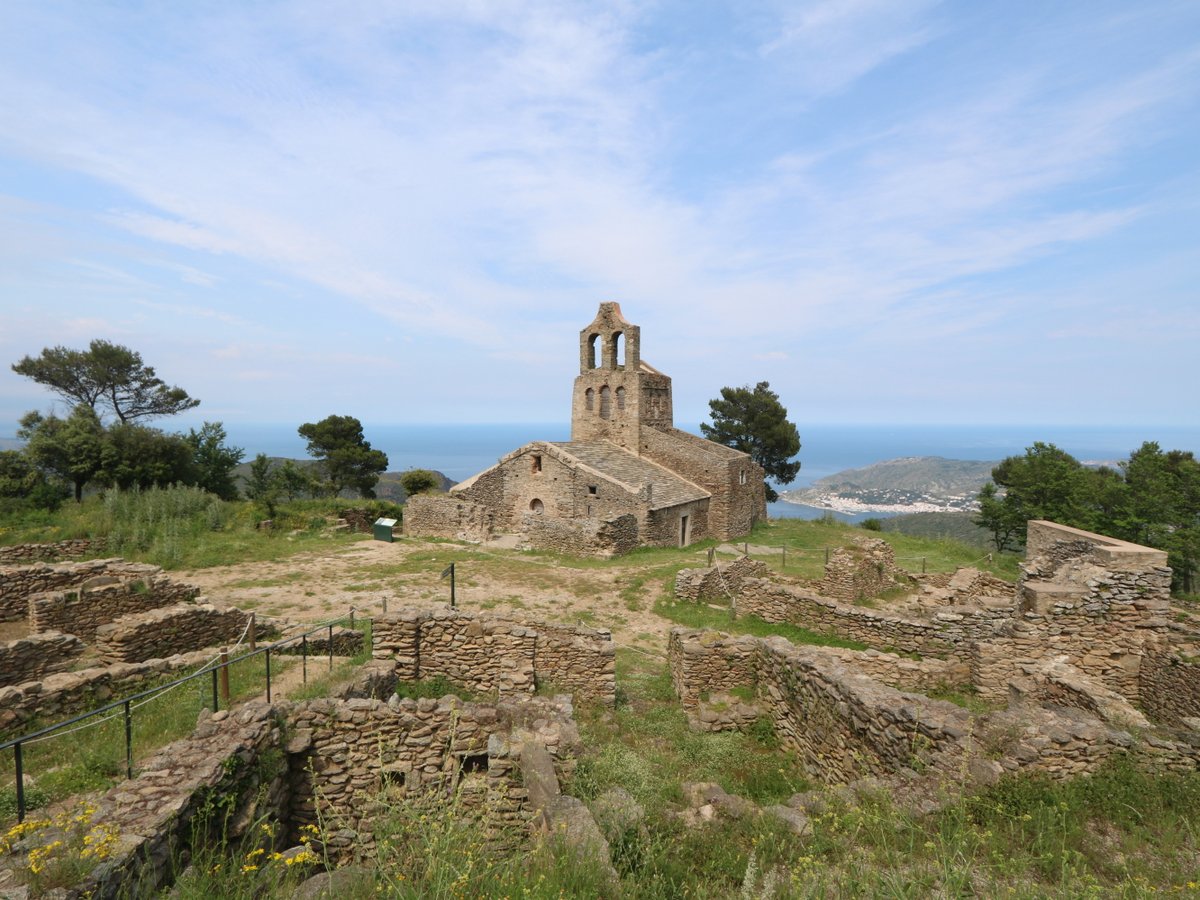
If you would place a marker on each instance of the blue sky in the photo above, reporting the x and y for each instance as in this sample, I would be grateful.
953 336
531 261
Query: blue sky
892 211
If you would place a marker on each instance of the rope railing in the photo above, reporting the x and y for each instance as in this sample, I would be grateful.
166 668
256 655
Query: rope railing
216 668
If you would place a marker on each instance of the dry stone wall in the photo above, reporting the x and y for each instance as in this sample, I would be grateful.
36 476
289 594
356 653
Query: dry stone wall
448 516
85 609
845 724
580 537
349 759
489 653
1169 686
865 570
717 583
57 696
33 657
948 632
18 582
164 632
17 554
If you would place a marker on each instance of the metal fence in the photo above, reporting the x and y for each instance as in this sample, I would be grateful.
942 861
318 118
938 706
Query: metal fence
216 670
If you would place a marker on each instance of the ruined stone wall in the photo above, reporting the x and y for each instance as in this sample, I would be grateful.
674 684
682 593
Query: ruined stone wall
705 662
489 653
581 537
903 673
29 658
448 516
164 632
1169 686
948 632
718 583
57 696
17 554
18 582
85 609
168 808
344 753
865 570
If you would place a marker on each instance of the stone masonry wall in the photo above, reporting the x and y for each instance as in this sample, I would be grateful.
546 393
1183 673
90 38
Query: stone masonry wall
845 725
57 696
344 752
163 632
865 570
1169 686
85 609
580 537
17 554
717 583
447 516
948 631
488 653
33 657
18 582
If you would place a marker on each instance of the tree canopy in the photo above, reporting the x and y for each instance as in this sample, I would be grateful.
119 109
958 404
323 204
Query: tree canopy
71 449
755 422
213 461
344 456
106 377
419 481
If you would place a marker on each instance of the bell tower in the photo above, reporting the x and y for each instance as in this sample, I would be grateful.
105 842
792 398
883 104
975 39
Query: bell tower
616 394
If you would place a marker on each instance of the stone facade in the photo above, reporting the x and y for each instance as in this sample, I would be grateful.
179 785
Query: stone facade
165 632
18 582
625 459
17 554
33 657
491 654
86 608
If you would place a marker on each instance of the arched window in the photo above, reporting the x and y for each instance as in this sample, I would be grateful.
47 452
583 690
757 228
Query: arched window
620 398
589 399
605 402
593 350
536 506
618 341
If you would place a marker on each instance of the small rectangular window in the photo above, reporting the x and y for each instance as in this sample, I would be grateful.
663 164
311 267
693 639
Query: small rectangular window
537 464
592 489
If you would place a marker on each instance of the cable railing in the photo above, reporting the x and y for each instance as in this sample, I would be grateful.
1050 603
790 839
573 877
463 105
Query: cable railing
216 669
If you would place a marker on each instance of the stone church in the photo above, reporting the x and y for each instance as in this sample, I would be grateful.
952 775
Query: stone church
627 478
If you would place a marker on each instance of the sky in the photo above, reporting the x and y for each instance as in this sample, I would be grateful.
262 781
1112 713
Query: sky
894 211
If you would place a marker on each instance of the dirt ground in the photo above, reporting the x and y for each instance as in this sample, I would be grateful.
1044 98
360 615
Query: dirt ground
314 586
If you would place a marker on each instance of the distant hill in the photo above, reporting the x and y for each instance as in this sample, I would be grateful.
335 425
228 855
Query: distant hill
389 487
912 483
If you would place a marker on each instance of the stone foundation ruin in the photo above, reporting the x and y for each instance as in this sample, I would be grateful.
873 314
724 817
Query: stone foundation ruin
1080 653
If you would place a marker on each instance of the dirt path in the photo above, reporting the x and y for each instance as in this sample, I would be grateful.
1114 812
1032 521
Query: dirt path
317 585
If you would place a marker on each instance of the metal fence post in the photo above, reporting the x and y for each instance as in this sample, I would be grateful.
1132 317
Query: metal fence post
128 741
214 690
331 648
253 632
268 674
225 674
304 656
20 782
352 618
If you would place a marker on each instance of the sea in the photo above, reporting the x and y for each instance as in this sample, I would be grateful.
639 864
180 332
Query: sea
461 450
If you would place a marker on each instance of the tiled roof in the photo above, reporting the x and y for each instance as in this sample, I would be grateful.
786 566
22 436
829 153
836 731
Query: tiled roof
668 489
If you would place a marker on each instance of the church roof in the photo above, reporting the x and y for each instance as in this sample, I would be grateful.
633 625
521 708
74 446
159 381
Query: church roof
667 488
